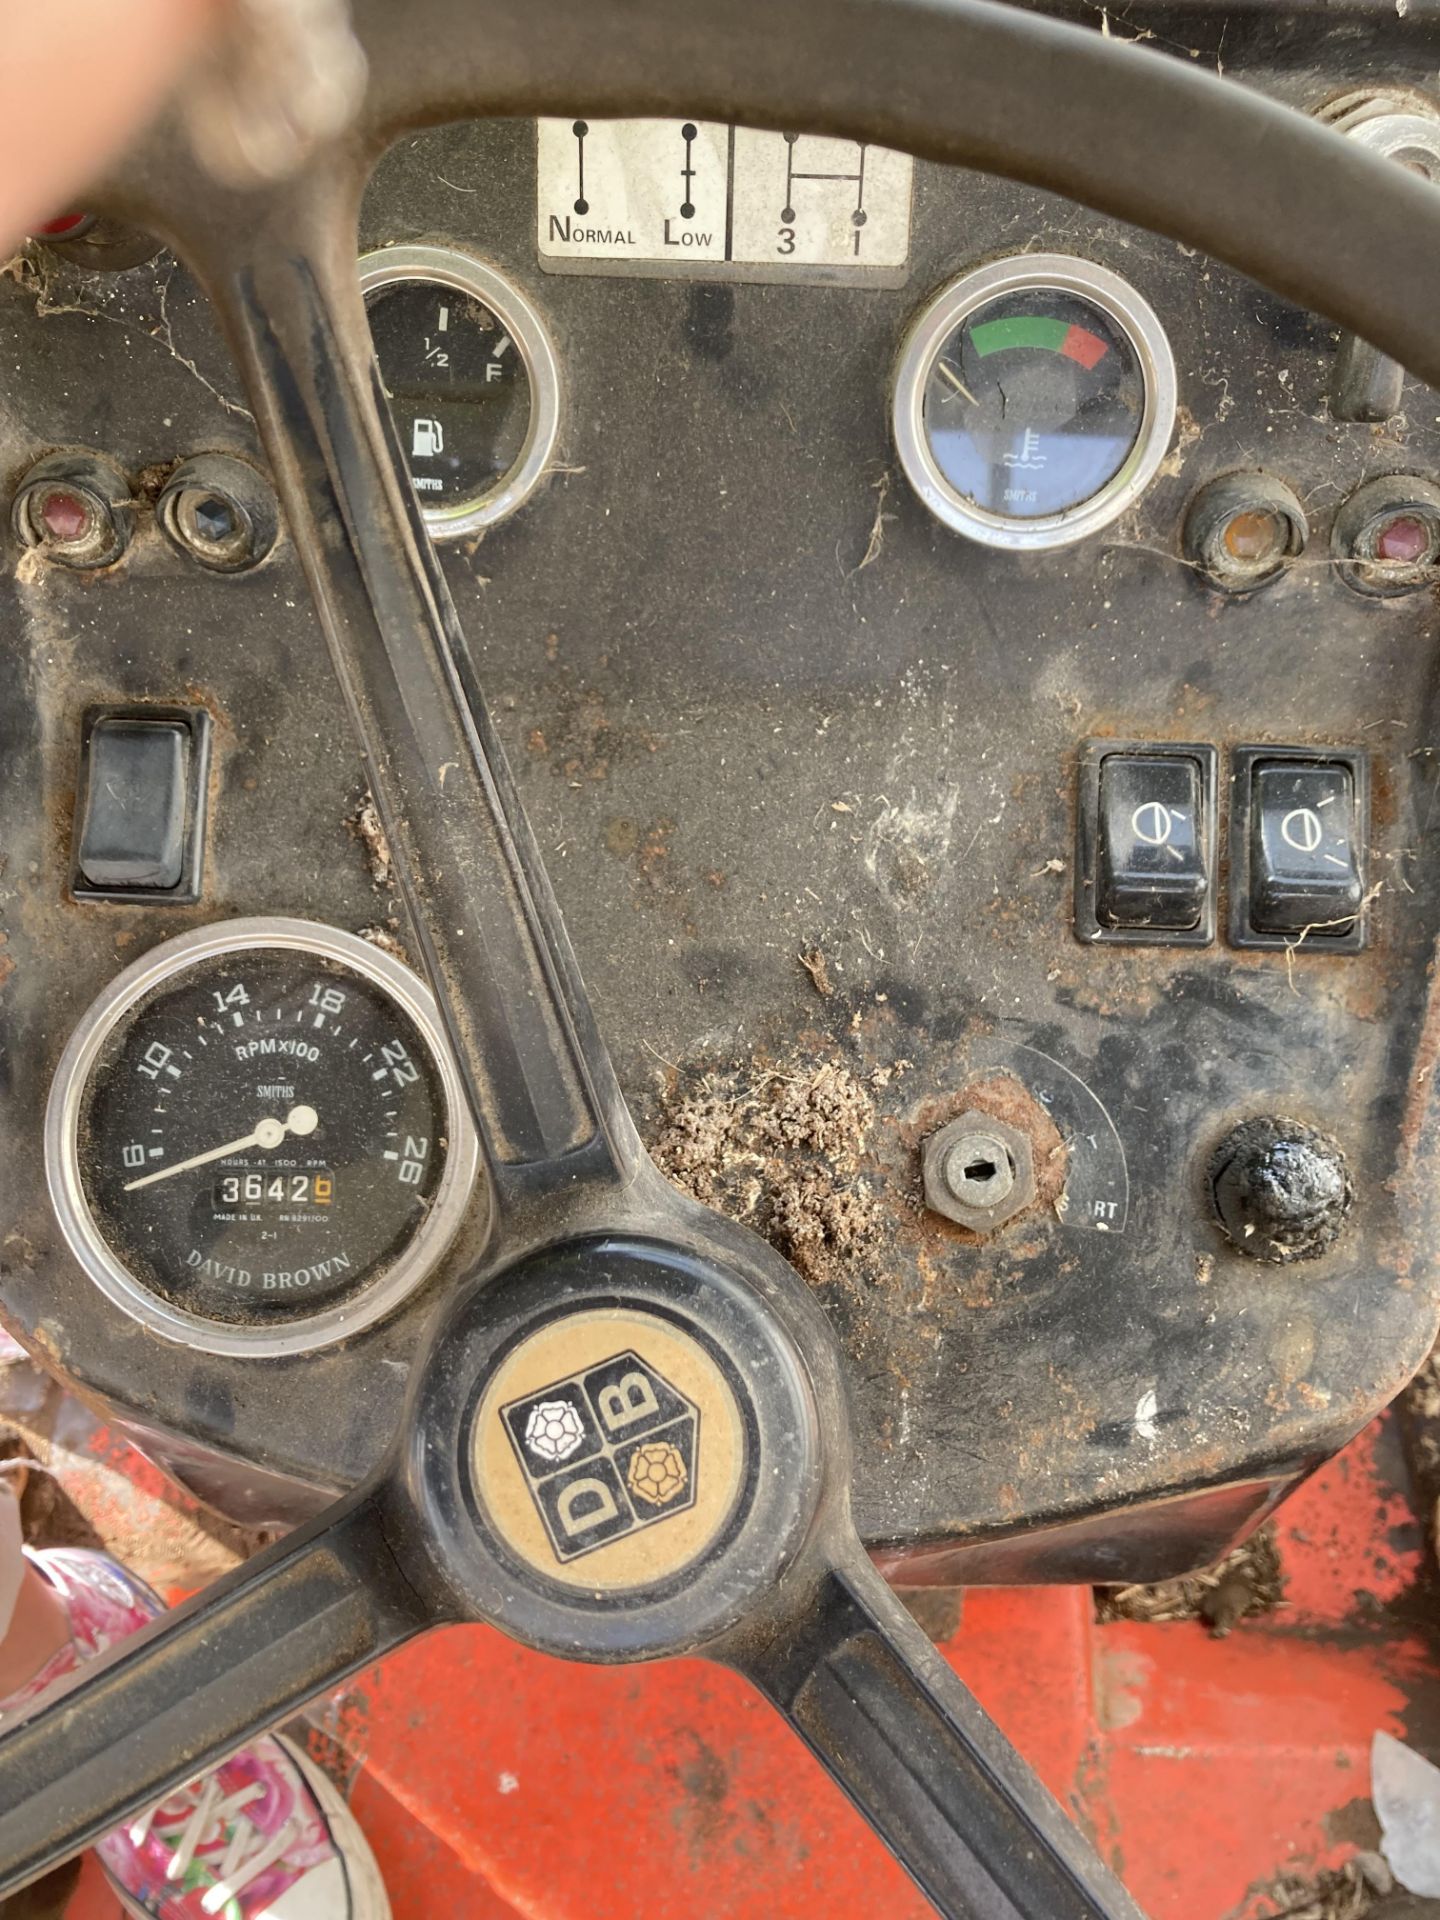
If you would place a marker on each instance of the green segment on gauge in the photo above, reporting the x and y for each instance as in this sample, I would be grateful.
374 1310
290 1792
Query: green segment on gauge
1019 330
1040 332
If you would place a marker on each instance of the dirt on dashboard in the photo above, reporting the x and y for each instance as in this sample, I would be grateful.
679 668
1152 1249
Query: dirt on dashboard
783 1150
1248 1581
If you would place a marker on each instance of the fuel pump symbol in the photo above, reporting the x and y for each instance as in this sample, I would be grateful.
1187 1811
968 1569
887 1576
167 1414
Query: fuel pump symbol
427 440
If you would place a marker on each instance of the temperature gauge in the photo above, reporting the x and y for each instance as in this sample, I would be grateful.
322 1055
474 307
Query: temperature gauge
471 379
1034 401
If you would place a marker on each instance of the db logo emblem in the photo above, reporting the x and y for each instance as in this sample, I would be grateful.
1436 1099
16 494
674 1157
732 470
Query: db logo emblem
605 1452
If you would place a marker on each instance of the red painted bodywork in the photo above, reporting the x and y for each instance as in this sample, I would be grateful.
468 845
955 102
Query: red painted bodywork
495 1782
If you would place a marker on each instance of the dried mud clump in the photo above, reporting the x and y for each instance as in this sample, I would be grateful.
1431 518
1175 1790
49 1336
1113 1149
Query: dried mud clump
364 825
1355 1891
785 1152
1248 1581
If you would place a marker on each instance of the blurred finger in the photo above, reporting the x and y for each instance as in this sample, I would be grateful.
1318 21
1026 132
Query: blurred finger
77 83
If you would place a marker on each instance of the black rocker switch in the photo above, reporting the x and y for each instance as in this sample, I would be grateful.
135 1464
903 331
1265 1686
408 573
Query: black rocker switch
1151 870
140 805
1304 862
133 834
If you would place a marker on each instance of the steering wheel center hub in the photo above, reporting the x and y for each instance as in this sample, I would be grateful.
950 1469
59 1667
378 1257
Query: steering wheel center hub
618 1448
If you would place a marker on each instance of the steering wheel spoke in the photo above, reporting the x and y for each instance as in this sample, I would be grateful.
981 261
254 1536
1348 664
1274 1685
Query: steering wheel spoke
179 1696
630 1426
551 1117
932 1773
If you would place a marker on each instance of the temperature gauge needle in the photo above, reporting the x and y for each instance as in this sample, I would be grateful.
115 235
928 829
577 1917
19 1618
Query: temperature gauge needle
269 1133
947 372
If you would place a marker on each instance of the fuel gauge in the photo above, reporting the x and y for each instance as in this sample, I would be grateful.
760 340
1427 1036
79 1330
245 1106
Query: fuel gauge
1034 401
471 379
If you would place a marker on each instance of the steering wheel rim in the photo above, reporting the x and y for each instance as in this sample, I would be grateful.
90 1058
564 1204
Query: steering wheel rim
584 1230
1271 192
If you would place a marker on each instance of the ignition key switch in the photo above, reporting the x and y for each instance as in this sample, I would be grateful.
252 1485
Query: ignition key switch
978 1172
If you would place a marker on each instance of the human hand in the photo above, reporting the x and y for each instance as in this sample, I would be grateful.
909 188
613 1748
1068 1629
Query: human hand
77 83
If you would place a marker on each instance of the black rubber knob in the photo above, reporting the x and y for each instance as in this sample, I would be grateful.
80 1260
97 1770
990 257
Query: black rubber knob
1281 1189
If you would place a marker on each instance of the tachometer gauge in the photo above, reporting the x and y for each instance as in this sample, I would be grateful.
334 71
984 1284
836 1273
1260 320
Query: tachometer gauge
1034 401
471 378
256 1140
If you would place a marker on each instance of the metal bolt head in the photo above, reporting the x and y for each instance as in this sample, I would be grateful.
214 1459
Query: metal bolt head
978 1172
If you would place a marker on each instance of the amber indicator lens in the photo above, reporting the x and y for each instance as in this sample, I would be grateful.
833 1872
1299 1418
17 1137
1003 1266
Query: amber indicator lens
1256 536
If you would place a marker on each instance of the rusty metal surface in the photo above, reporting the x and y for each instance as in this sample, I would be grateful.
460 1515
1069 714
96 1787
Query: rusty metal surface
760 706
1228 1777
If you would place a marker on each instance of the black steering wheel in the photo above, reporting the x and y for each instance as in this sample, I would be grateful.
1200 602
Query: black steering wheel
596 1270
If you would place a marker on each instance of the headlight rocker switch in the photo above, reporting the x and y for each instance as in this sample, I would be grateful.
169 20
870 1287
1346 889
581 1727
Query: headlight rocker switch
1147 842
1298 823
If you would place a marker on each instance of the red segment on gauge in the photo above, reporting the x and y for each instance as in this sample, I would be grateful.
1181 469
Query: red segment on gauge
1082 345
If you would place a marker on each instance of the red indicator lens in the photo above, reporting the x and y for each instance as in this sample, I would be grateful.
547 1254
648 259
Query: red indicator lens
1403 541
64 223
64 517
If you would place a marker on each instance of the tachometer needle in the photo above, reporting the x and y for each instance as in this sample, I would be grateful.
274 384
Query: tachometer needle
944 368
269 1133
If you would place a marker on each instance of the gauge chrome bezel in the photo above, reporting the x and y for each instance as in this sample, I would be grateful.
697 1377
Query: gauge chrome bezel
921 347
168 962
465 273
